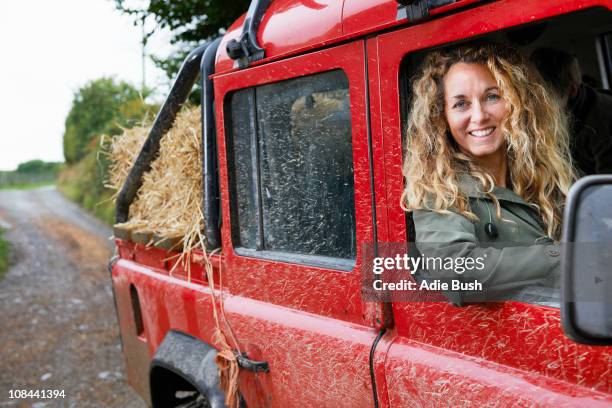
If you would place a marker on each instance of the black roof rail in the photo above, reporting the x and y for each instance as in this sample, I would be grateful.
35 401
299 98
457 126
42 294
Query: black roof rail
417 9
246 49
163 122
210 169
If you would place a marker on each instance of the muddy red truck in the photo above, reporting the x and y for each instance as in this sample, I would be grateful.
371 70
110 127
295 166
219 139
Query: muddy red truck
303 109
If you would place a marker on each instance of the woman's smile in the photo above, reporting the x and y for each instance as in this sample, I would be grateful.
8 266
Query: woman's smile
482 133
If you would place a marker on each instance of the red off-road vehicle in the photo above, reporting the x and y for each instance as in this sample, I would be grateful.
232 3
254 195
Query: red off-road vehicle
304 103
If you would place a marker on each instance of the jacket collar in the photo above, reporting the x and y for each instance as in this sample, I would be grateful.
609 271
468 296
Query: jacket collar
472 187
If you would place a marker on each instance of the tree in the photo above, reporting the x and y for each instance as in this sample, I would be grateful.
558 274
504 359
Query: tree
38 167
191 21
32 166
102 106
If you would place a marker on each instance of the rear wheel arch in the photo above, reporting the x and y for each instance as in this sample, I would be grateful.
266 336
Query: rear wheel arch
184 363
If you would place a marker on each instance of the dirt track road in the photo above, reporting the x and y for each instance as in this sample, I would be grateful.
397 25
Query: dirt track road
58 328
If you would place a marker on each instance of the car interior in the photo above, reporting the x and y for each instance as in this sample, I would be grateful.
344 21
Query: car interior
587 35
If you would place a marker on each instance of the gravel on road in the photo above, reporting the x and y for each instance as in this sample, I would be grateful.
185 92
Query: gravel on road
58 326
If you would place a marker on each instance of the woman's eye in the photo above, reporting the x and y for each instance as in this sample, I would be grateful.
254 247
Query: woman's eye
493 97
459 105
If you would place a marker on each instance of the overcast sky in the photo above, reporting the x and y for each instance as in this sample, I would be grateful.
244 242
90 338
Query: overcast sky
48 49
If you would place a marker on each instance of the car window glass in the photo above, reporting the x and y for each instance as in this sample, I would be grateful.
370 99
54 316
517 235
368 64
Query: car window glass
293 167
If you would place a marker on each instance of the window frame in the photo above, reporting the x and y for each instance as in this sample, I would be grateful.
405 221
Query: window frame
411 60
263 275
259 250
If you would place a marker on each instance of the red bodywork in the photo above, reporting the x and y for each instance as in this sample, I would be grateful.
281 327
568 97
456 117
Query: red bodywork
310 323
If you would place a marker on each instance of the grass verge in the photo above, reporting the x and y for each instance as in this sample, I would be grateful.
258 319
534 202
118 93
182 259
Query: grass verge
26 186
4 254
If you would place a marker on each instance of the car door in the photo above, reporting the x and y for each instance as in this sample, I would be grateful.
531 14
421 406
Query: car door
297 208
504 353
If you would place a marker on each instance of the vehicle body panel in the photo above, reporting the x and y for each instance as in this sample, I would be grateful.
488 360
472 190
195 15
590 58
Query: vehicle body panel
314 360
321 23
289 27
426 376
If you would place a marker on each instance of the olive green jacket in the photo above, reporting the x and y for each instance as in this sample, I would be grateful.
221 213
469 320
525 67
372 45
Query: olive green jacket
521 255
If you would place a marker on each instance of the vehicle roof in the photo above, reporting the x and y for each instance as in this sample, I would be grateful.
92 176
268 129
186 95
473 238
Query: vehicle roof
294 26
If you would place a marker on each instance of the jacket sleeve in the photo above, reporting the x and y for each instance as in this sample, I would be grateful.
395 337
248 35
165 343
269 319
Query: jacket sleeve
501 270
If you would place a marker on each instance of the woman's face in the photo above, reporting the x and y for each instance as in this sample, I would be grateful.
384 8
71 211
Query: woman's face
475 110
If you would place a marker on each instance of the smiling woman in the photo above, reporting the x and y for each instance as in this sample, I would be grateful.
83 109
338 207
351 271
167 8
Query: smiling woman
487 167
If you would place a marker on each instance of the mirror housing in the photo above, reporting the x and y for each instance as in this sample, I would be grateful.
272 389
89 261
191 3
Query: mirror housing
586 303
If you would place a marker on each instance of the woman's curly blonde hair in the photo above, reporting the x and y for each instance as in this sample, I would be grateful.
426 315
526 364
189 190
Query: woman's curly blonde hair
535 132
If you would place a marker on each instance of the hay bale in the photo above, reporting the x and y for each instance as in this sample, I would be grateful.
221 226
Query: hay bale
123 150
168 204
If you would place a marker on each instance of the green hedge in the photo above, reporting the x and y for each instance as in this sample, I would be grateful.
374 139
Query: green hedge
83 183
31 174
4 254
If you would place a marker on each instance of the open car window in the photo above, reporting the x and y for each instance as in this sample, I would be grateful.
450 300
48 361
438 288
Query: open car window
585 35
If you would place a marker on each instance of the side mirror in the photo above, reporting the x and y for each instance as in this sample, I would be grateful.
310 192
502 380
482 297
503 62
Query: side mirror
586 307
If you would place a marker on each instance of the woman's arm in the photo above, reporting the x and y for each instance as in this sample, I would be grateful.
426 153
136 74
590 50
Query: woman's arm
506 268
